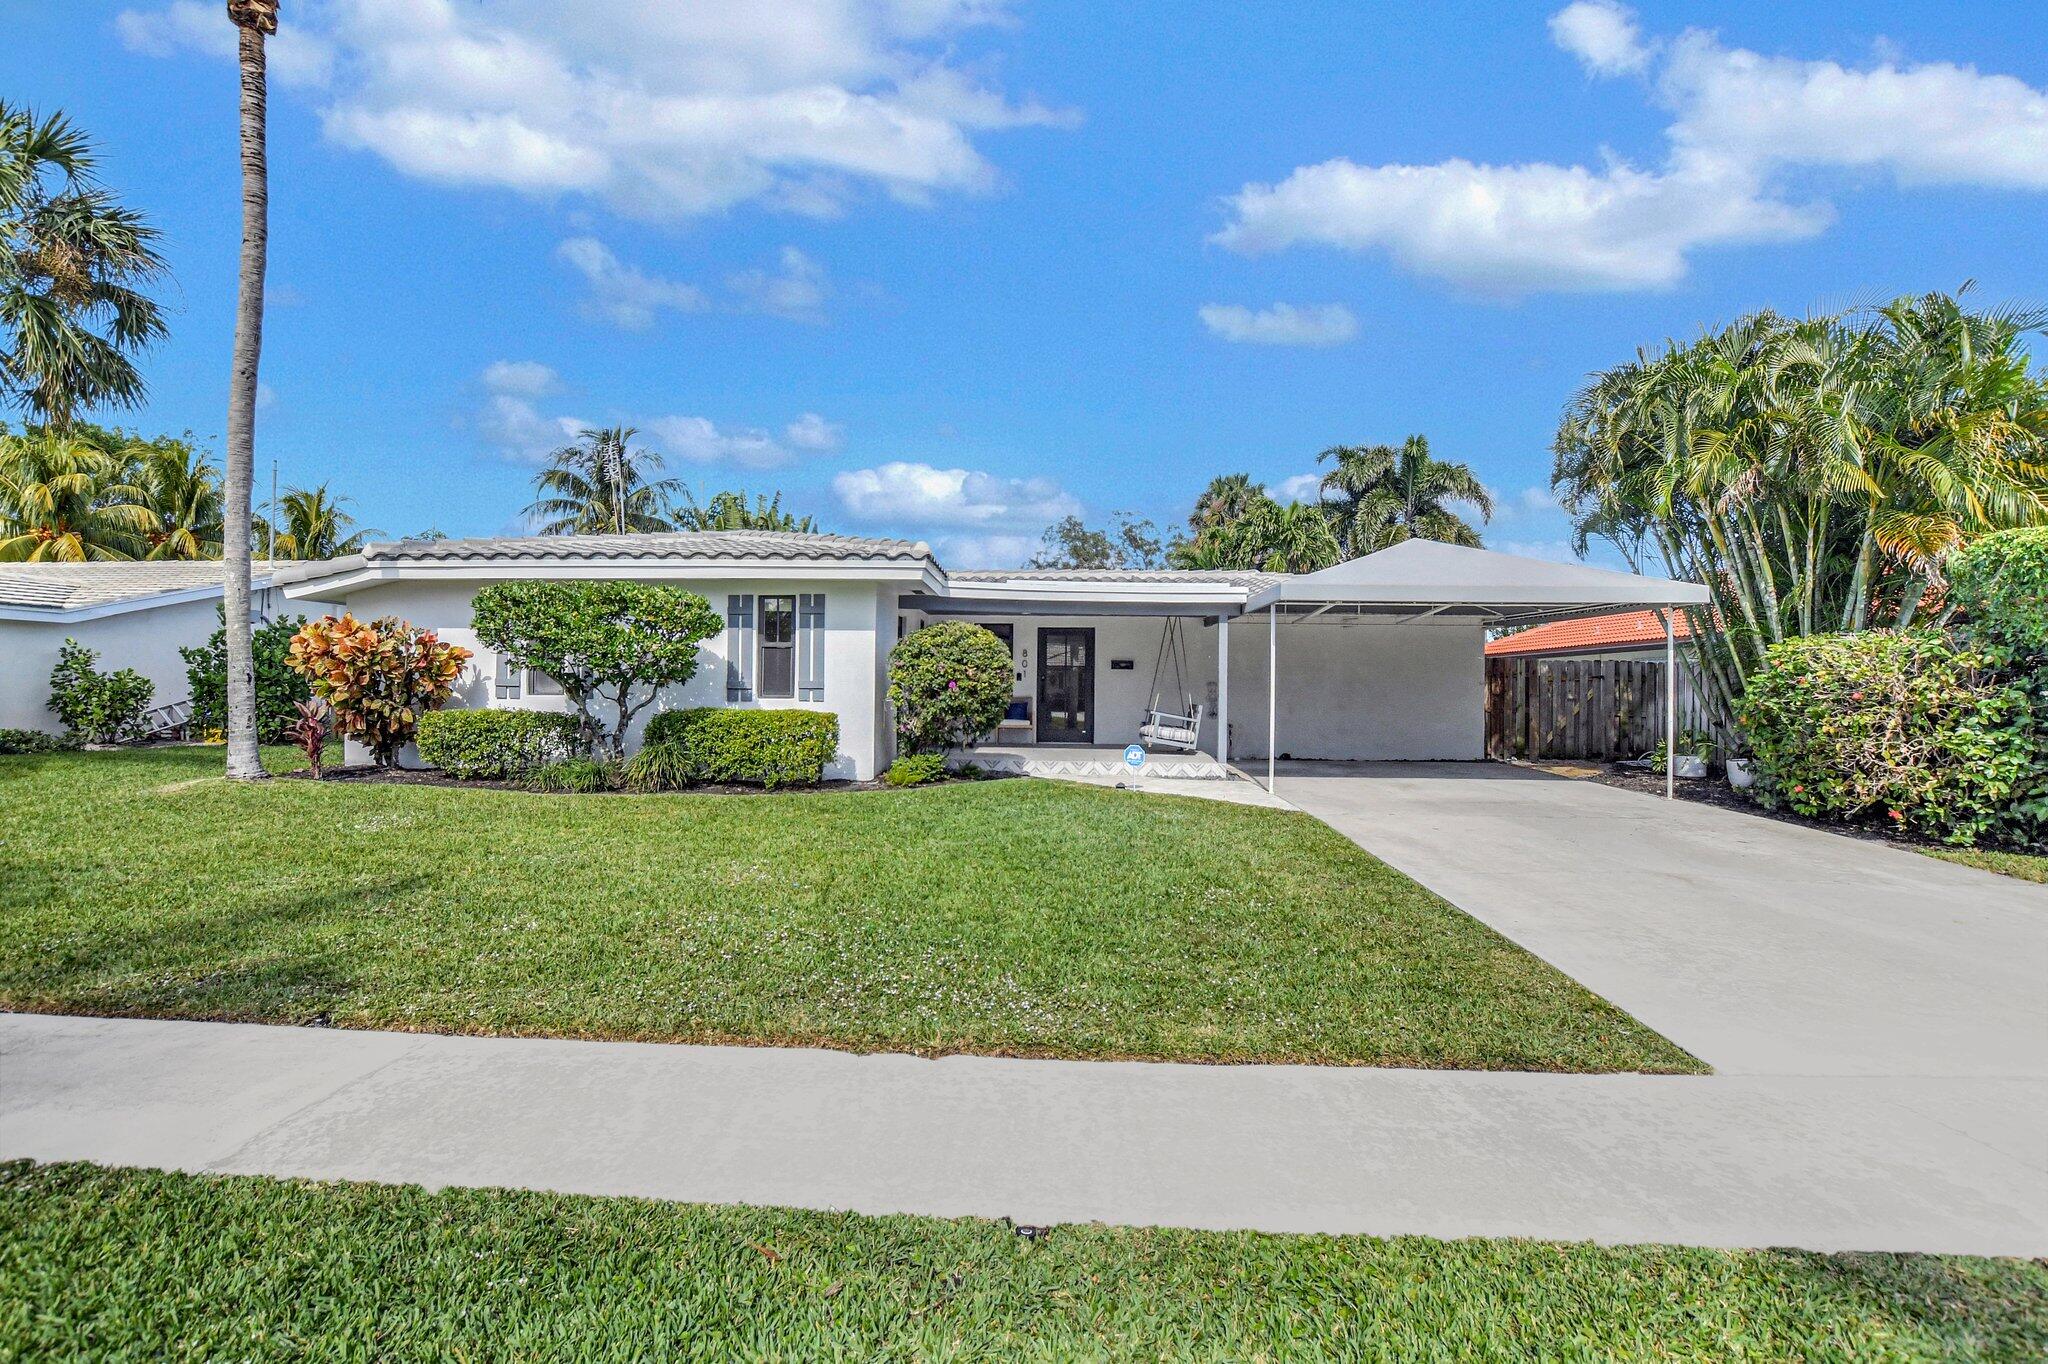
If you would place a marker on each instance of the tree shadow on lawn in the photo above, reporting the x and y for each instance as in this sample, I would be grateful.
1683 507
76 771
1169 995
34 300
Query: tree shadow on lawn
237 958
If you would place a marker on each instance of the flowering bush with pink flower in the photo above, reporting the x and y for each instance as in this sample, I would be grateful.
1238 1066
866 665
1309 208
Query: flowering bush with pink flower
950 684
1904 727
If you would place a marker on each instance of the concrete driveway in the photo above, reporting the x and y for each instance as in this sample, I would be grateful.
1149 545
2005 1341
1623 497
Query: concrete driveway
1764 948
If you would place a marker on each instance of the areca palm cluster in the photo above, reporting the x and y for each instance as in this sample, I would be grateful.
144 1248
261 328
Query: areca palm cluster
312 523
66 499
1812 472
1237 524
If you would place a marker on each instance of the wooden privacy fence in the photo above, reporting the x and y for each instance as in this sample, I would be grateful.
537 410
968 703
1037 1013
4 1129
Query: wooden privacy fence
1578 707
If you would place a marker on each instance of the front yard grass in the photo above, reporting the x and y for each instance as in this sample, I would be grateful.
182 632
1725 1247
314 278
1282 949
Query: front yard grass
1006 917
2025 866
130 1264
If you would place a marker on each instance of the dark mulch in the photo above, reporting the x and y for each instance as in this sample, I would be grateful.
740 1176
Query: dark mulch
1715 790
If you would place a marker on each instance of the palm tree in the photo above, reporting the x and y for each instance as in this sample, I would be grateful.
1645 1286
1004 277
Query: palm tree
254 21
72 266
62 500
182 489
1295 538
1226 500
601 485
732 511
312 525
1379 496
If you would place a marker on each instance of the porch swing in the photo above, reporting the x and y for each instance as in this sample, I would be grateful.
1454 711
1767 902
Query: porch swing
1180 731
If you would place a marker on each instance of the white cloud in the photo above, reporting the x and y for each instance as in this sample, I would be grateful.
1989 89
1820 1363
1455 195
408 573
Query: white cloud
1739 120
294 56
699 440
796 290
985 551
520 378
1299 488
909 493
624 294
657 109
813 432
1601 34
1283 324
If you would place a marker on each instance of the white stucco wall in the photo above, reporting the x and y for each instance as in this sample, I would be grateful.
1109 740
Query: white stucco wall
852 610
1351 689
147 641
1348 689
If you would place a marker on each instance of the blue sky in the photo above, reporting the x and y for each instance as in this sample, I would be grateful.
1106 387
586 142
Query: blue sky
949 268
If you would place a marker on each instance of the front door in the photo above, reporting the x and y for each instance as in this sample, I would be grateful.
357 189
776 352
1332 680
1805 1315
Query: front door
1066 686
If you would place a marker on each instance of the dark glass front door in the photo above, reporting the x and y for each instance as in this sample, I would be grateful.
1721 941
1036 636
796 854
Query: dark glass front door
1066 686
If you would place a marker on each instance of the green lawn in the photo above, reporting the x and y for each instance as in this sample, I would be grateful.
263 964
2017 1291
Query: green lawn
2025 866
134 1264
1003 917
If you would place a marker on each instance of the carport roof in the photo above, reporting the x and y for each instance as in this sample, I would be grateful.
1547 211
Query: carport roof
1504 588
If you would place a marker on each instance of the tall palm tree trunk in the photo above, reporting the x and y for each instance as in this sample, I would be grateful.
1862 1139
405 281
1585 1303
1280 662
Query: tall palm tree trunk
253 19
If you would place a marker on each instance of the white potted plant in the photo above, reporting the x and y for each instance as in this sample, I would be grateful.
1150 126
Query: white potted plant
1741 775
1691 758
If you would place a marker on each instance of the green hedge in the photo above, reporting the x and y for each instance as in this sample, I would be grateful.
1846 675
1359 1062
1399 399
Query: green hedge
1902 727
768 748
494 745
33 741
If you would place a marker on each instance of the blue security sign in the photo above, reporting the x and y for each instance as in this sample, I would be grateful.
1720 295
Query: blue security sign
1134 756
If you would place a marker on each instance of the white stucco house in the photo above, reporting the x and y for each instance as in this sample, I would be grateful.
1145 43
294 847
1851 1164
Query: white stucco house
133 614
1381 657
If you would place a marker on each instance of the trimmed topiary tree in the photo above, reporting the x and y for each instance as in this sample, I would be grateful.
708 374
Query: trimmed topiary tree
613 645
950 684
1903 727
378 678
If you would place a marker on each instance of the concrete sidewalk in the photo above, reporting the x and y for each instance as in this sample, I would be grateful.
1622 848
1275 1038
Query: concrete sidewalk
1857 1163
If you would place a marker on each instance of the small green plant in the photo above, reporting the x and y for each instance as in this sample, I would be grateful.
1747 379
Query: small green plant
915 769
768 748
574 776
97 707
495 745
1691 743
278 688
658 767
949 684
33 741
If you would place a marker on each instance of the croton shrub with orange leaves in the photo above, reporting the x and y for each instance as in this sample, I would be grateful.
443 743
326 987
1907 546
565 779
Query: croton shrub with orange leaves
377 676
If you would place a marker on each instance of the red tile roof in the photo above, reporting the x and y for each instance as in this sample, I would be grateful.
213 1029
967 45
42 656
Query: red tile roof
1630 629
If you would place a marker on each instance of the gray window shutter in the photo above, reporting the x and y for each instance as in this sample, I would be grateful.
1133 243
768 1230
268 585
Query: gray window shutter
739 647
810 646
507 680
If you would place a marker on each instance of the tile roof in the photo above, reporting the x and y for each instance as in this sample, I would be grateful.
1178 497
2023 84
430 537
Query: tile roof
77 587
1165 576
677 545
1629 629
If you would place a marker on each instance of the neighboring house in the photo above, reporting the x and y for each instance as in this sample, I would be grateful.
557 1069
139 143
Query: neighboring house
1381 657
134 615
1628 636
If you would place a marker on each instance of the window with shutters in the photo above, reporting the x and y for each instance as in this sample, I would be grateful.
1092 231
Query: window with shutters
778 647
507 679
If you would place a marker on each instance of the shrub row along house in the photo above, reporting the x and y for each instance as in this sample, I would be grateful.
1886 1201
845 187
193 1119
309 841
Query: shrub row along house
1380 657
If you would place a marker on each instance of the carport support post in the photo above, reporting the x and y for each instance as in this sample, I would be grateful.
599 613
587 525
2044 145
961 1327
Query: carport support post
1272 689
1670 709
1222 690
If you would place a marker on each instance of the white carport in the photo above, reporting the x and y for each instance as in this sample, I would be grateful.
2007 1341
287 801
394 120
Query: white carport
1422 579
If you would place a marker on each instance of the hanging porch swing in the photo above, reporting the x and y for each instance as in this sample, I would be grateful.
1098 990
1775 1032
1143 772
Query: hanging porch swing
1178 730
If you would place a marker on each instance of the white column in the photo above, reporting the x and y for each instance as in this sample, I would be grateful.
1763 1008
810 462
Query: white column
1670 709
1223 689
1272 689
